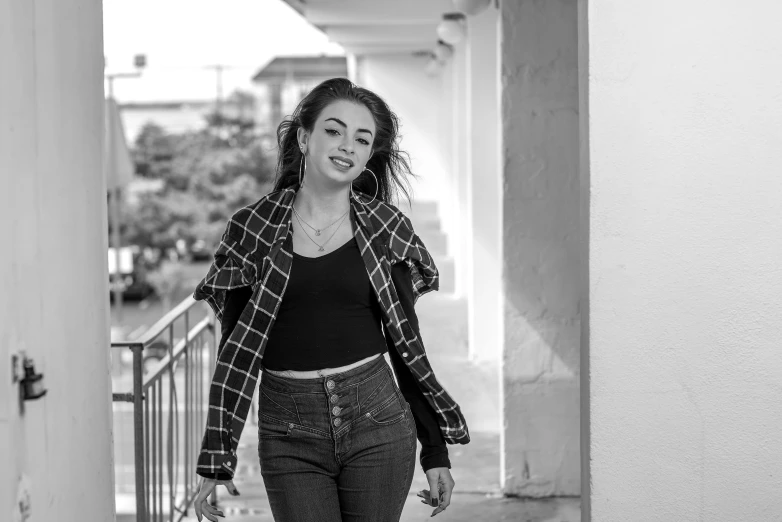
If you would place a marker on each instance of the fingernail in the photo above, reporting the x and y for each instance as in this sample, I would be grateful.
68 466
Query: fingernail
435 502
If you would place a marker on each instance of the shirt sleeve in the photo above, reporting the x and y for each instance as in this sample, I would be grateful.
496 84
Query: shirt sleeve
235 301
234 268
434 452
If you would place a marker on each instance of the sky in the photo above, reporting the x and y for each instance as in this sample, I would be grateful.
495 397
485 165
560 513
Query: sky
182 38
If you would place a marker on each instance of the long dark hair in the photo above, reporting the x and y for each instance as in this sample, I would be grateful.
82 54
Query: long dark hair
390 165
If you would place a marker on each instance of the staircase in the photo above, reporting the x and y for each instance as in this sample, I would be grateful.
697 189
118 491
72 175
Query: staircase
426 222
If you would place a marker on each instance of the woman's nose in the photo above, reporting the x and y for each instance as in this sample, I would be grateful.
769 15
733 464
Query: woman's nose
347 146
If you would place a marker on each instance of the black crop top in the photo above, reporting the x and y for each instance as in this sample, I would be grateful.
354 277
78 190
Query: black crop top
332 296
434 452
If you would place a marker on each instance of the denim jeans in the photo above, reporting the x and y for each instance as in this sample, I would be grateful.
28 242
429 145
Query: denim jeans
338 448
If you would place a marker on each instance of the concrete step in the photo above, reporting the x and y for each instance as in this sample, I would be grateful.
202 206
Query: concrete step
422 213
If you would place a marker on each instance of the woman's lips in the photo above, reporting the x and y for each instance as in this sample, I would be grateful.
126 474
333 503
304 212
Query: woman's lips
341 164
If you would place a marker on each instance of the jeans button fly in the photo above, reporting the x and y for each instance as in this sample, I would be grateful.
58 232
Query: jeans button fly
336 410
330 385
337 421
334 398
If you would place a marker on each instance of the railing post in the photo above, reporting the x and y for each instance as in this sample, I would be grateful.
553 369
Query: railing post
138 433
186 400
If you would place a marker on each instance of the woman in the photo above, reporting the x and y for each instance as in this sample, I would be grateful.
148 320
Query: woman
313 284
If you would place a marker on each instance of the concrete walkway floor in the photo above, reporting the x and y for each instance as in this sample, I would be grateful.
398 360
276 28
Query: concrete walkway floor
475 466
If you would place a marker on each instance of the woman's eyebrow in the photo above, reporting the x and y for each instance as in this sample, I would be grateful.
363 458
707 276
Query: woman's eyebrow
343 124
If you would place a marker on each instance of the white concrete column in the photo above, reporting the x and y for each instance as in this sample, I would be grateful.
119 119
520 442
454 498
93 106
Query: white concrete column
53 273
685 245
540 442
485 301
461 134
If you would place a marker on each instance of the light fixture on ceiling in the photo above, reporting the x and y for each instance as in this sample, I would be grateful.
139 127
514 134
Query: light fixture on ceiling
452 28
443 51
471 7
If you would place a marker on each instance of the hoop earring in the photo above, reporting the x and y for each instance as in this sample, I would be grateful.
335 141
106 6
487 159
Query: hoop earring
302 169
377 185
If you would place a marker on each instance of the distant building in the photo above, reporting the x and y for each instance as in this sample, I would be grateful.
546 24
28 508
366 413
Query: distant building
183 116
281 84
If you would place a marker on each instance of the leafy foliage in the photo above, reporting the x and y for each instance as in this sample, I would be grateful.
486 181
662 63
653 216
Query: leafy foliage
206 177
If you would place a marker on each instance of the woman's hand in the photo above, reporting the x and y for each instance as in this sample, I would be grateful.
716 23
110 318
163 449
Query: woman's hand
201 504
441 482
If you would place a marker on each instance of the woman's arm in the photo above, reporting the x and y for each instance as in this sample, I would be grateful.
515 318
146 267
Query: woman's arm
235 301
434 452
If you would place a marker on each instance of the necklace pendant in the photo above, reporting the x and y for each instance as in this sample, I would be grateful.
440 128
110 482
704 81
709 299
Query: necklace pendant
317 232
320 249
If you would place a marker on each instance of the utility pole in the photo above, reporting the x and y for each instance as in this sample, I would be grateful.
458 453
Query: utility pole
115 192
218 68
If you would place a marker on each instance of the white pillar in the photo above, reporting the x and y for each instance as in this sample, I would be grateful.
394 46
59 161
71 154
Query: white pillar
685 246
540 446
462 166
53 271
485 301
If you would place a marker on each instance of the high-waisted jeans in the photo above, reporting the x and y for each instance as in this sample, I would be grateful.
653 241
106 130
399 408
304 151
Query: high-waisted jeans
338 448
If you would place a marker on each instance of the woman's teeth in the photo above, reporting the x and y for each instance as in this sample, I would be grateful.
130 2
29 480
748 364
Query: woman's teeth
341 163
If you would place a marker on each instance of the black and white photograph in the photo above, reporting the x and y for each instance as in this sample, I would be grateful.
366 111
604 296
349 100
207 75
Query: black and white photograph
390 260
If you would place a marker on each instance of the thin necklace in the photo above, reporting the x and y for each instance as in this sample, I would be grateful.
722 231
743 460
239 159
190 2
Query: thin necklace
320 247
317 230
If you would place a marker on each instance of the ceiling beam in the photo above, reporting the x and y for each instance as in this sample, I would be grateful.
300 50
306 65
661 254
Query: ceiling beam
377 12
389 34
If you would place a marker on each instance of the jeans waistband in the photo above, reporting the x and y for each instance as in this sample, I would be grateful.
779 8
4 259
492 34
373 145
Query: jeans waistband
314 374
314 385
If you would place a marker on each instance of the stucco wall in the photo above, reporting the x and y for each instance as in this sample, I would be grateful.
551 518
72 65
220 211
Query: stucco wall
539 73
685 101
53 272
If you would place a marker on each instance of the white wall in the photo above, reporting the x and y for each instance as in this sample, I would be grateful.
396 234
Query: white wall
53 272
539 53
685 105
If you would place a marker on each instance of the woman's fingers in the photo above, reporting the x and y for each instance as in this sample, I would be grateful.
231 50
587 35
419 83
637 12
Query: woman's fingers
211 512
200 505
444 488
229 485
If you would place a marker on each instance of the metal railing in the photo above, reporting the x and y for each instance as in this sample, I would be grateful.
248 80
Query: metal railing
184 368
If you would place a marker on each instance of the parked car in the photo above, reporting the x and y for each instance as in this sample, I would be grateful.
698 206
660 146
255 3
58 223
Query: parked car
132 281
201 251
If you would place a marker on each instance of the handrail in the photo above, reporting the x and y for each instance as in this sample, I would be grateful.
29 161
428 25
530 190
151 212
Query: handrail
160 326
177 352
194 354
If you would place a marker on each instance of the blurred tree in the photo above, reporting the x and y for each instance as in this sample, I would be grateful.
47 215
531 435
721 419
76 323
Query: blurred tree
207 176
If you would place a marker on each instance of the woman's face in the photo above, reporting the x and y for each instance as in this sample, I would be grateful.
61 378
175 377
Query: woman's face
340 143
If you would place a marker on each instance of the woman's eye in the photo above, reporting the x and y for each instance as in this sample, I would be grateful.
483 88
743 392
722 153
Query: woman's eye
363 141
332 132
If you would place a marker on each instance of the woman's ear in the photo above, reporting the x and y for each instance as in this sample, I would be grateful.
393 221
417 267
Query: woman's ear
302 136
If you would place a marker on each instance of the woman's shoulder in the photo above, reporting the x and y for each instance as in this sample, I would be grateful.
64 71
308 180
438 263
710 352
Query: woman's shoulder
255 225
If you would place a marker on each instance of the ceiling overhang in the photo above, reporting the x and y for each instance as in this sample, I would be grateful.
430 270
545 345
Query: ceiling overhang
376 26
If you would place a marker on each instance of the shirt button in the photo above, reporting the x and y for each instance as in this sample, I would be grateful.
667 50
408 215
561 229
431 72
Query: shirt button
336 410
334 398
337 421
405 354
330 385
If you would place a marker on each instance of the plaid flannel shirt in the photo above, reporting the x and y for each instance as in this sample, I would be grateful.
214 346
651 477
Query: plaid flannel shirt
256 251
